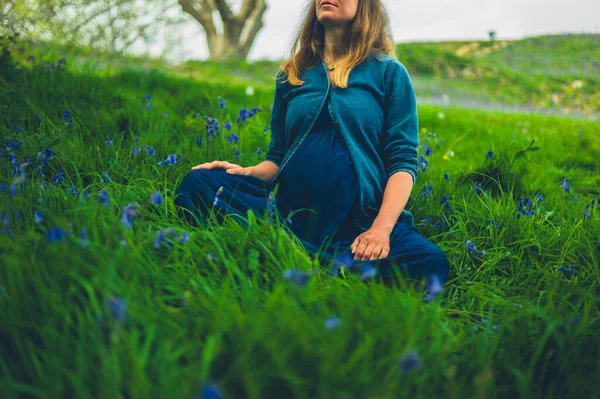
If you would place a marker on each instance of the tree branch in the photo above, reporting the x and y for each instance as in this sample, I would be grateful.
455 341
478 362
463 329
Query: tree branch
224 10
202 15
255 20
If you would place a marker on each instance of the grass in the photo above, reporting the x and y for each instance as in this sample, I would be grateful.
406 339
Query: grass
103 313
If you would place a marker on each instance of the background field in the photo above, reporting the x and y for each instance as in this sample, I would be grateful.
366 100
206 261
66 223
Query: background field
91 308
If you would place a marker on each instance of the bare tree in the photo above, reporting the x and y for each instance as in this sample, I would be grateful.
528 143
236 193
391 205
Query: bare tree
234 41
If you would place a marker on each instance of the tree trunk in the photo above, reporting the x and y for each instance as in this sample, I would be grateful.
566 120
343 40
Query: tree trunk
239 31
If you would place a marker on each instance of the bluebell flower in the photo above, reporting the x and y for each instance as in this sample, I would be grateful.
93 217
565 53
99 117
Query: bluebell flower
409 362
87 194
471 246
233 138
345 260
222 102
156 198
243 115
128 213
569 272
258 151
219 192
165 115
209 391
199 141
539 198
227 125
12 192
298 277
478 188
586 214
149 106
332 322
427 220
15 145
160 236
57 234
170 160
58 178
135 150
489 155
427 191
17 214
493 222
367 271
103 197
118 308
236 152
184 238
446 176
74 190
147 97
445 200
575 198
108 142
565 186
428 151
525 207
67 115
212 126
434 288
197 115
105 177
265 130
423 163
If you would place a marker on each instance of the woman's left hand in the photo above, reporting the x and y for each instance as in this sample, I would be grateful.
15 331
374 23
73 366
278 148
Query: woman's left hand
371 244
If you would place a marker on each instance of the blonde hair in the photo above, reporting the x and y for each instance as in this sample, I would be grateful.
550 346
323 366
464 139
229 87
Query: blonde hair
369 33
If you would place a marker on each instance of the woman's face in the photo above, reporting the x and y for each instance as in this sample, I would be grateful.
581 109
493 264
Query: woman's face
336 12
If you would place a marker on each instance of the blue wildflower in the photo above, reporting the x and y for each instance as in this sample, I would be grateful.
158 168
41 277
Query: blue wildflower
569 272
493 222
156 198
344 260
489 155
209 391
478 188
525 207
219 192
105 177
409 362
85 239
233 138
586 214
87 194
199 141
147 97
227 125
56 234
118 308
427 191
58 178
258 151
575 198
236 152
103 197
298 277
539 198
428 151
149 106
212 126
184 238
108 142
243 115
165 115
128 213
170 160
67 115
565 186
446 176
434 288
222 102
471 246
332 322
74 190
367 271
423 163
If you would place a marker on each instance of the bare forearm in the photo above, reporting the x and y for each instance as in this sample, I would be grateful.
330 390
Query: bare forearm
265 170
396 194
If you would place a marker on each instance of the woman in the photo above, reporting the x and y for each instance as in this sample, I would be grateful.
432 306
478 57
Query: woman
343 149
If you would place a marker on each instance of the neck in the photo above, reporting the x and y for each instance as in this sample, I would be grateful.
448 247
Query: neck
335 44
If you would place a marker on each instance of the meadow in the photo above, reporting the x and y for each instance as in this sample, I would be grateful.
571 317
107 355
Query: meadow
106 292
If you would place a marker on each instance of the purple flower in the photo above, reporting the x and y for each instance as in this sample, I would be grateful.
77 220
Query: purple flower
298 277
565 186
128 213
332 322
156 198
409 362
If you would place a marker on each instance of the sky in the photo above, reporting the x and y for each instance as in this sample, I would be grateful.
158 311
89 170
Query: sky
412 21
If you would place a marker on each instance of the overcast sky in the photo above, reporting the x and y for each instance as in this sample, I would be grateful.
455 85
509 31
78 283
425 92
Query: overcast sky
418 20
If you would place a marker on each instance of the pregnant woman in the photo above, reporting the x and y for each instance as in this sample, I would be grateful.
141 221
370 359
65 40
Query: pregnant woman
343 149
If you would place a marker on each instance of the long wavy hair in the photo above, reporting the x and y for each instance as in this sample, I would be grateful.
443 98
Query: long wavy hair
369 33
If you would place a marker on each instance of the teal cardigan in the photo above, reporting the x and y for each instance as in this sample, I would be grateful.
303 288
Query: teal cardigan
376 114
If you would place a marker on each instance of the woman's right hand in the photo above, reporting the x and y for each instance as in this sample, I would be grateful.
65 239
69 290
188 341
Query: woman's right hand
216 165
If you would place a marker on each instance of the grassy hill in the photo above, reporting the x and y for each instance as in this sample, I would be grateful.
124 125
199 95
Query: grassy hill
92 307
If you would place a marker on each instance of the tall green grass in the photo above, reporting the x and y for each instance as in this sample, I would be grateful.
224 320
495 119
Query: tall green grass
105 314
